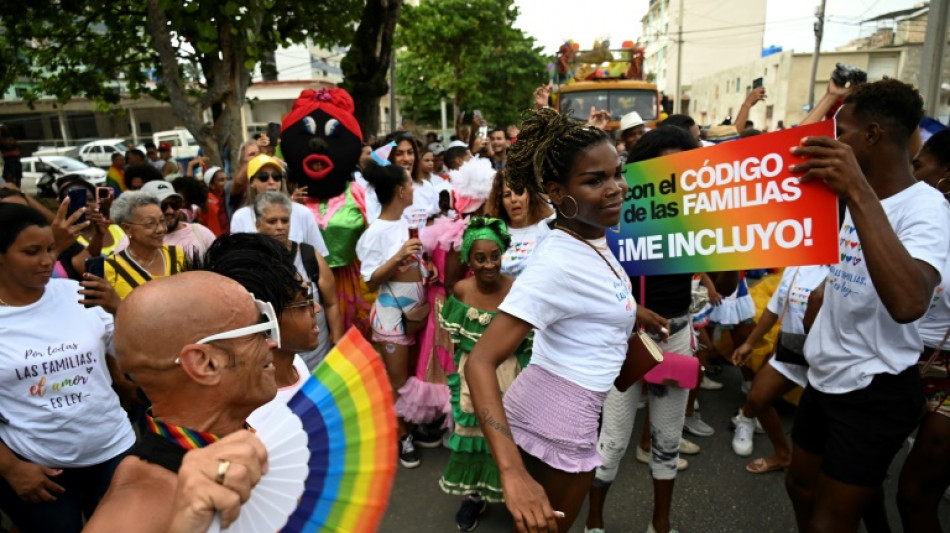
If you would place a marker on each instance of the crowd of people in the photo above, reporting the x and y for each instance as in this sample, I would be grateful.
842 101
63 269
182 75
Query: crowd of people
149 329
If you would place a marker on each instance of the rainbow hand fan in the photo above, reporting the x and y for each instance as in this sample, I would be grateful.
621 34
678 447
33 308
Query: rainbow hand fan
348 414
278 492
349 432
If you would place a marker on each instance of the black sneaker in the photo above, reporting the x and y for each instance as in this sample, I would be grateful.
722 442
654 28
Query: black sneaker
408 455
471 509
427 438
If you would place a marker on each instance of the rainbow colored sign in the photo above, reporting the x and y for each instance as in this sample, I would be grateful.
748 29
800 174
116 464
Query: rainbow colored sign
732 206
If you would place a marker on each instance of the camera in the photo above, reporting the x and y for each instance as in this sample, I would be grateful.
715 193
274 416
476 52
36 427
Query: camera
845 74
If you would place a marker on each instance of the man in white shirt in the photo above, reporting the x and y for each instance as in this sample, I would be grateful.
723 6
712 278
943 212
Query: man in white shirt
864 395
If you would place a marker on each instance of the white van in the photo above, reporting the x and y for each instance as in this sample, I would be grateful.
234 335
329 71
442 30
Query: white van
184 145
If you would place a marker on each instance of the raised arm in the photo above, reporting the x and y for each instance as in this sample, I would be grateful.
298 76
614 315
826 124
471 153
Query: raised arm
817 113
750 100
904 284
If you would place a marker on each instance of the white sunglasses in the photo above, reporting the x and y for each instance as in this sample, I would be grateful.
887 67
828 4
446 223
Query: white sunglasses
268 323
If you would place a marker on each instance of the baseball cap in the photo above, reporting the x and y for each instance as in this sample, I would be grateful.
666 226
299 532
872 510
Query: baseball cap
164 147
259 161
630 120
437 148
160 190
453 144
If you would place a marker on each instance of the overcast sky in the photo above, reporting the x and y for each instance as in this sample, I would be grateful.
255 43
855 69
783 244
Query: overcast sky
788 22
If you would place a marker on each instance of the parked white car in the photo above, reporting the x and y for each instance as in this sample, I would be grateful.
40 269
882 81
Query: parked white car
99 153
35 167
184 145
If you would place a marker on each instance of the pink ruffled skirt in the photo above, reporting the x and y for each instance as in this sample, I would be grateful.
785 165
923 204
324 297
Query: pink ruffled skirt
554 419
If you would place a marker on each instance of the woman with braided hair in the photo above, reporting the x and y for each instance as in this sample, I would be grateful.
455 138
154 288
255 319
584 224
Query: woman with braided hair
576 297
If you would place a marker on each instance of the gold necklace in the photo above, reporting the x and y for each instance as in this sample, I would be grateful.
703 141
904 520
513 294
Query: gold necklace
578 236
4 304
139 261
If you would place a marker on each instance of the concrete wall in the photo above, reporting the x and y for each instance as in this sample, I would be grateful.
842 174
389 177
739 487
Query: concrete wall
716 36
786 78
714 97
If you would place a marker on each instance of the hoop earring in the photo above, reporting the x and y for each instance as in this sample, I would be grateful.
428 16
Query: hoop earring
576 208
937 186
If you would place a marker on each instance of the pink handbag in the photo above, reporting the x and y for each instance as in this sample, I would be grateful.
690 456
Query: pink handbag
676 370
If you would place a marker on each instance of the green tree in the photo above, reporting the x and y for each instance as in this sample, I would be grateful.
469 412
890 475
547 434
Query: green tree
201 51
468 52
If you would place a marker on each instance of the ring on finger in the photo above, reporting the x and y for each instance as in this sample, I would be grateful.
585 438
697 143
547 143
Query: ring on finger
223 466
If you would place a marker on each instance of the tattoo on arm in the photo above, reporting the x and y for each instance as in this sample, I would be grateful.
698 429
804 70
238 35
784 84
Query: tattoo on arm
490 421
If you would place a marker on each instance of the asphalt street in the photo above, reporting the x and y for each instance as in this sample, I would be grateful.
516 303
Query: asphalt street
715 494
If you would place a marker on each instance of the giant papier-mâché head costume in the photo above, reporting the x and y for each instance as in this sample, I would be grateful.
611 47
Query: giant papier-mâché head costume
321 141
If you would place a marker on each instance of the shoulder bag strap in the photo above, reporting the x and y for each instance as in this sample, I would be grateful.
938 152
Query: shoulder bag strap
310 264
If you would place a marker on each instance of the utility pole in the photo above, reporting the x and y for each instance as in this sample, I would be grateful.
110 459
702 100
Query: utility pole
819 31
678 99
935 49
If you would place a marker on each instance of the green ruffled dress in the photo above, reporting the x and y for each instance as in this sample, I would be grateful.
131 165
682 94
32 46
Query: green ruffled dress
471 468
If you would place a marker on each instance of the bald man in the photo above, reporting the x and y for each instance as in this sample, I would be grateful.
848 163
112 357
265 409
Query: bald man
200 347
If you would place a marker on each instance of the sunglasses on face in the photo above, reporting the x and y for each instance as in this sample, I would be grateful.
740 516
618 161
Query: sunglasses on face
267 176
267 324
174 204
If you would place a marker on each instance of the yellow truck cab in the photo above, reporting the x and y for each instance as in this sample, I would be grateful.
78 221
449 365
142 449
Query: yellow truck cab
605 79
617 96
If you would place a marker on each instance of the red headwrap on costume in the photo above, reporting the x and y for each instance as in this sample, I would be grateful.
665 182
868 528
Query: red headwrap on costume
335 102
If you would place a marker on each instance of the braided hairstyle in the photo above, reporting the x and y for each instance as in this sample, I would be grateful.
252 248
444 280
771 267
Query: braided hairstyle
547 146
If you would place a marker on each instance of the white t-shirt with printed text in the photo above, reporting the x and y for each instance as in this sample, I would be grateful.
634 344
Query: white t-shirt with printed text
854 337
796 286
523 242
55 387
582 313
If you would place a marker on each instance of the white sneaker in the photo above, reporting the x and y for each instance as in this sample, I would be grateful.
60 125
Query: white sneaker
594 530
695 425
688 447
758 426
708 384
742 438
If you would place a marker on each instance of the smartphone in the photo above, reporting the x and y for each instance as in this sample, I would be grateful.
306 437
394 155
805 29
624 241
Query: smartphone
273 132
104 196
483 132
756 83
77 200
95 266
